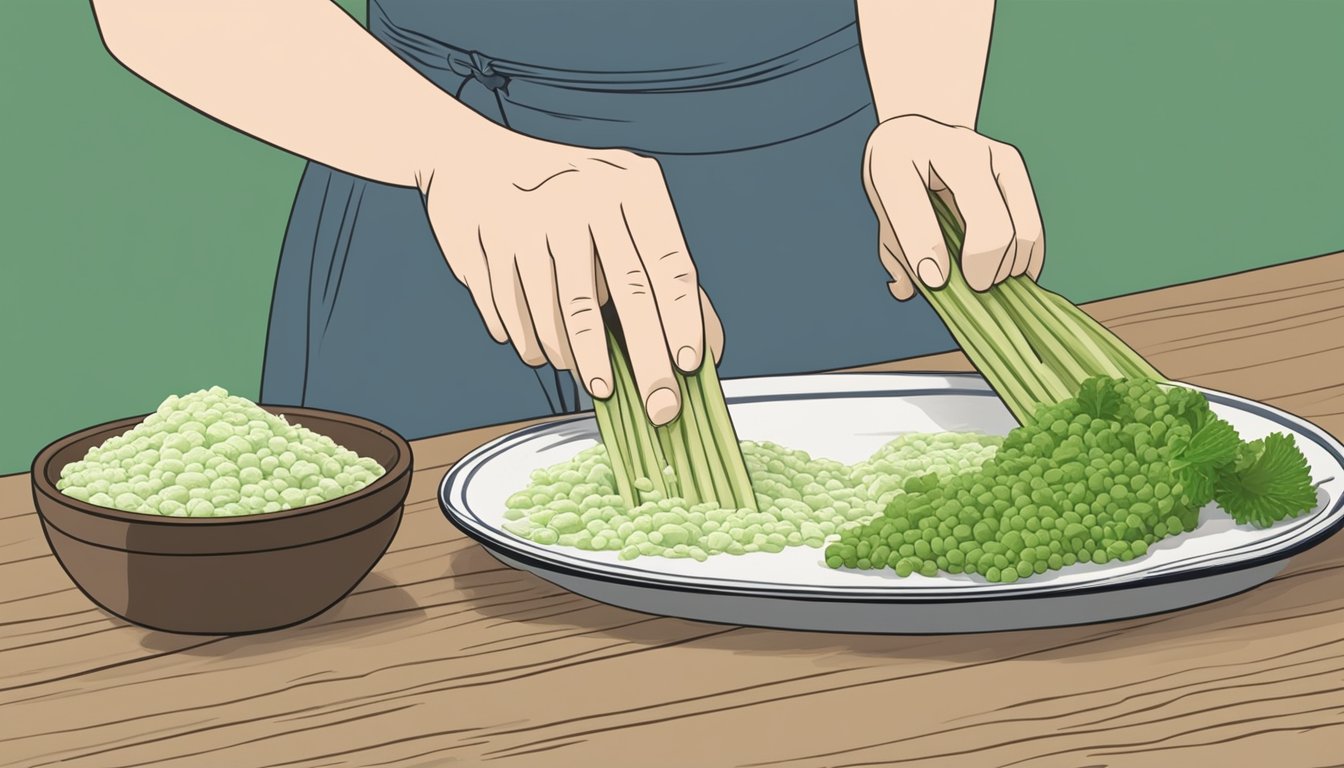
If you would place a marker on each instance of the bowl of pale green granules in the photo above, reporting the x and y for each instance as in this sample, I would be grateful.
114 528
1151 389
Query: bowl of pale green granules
214 515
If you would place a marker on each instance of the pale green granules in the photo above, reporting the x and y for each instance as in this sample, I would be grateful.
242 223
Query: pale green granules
944 453
801 500
212 454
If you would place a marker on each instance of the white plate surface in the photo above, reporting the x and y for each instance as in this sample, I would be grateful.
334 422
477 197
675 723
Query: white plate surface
847 417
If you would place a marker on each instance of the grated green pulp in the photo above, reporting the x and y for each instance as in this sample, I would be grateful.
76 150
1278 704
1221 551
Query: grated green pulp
800 499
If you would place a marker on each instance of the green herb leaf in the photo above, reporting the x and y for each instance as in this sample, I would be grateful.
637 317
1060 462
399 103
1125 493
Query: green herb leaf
1270 481
1214 444
1097 398
1189 406
1199 484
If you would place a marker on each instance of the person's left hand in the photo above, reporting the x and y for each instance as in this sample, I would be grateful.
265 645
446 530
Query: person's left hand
909 156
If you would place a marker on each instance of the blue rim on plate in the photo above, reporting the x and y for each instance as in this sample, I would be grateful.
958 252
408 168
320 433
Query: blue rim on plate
1287 543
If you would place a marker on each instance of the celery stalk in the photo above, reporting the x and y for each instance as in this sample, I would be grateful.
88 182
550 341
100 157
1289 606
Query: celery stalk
696 456
1033 346
617 448
724 434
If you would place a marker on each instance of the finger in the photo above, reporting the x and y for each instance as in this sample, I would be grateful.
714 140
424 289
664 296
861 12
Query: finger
1006 266
538 281
581 312
901 286
466 258
1037 261
713 328
989 228
643 330
656 233
507 290
1015 185
902 200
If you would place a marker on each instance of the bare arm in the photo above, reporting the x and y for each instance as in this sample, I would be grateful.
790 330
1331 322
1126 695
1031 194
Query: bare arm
298 74
926 57
926 67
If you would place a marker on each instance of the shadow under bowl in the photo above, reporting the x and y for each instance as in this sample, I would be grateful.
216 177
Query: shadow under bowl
225 575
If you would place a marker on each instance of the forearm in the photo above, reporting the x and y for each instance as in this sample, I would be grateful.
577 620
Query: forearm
926 57
298 74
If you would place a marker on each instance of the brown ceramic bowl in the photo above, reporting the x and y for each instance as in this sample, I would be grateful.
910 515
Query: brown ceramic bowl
227 575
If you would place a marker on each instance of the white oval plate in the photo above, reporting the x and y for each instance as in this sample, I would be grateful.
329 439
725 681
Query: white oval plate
847 417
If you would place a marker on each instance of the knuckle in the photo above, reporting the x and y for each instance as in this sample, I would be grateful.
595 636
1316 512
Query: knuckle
626 163
649 165
634 282
678 271
580 304
1007 156
619 158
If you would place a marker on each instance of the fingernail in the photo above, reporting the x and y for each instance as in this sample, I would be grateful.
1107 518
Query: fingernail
662 405
929 273
687 359
599 387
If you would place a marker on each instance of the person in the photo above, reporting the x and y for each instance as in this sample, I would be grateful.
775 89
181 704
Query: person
521 164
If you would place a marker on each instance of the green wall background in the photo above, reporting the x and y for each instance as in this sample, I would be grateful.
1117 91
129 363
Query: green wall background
1169 140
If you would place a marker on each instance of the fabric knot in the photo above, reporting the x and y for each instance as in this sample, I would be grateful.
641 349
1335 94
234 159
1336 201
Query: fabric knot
479 68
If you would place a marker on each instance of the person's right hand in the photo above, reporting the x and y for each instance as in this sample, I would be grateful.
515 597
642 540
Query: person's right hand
542 234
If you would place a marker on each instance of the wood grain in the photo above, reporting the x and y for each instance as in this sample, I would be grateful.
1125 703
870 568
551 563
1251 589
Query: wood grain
443 655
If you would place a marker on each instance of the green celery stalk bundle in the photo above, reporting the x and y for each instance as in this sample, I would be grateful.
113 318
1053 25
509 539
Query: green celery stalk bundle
1033 346
1047 360
696 456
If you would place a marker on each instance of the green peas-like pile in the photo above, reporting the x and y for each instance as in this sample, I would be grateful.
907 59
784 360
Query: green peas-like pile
1072 486
802 500
212 454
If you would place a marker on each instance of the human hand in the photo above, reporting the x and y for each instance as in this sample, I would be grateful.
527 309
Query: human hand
909 156
543 234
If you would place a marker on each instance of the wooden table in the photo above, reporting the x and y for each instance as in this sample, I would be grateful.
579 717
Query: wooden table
443 655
